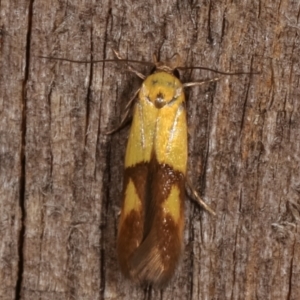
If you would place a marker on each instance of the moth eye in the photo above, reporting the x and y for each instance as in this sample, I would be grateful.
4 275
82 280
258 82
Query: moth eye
176 73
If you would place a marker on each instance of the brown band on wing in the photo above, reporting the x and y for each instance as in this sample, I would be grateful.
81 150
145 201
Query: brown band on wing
150 242
155 260
139 175
161 178
131 226
129 238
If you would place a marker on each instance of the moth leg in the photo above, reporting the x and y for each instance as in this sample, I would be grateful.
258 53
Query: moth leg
188 84
125 117
199 199
130 68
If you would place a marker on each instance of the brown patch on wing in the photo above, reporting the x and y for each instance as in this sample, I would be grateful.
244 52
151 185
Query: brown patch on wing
155 260
139 175
161 178
129 238
131 227
149 243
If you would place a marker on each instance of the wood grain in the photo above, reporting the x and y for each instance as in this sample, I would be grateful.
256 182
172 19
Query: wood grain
61 175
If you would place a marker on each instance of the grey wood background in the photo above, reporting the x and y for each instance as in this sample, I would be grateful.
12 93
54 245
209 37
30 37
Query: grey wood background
61 175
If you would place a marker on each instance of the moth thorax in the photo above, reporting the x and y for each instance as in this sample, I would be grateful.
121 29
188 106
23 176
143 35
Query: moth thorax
160 101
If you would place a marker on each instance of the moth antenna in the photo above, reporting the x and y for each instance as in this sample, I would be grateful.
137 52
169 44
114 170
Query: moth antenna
216 71
77 61
96 61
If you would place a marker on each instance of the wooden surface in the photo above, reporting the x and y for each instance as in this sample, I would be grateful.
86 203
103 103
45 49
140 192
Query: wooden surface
61 175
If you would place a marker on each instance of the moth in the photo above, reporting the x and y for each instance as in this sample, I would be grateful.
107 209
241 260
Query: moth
150 233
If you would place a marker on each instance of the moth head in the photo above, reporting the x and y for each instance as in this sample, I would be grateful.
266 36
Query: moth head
169 66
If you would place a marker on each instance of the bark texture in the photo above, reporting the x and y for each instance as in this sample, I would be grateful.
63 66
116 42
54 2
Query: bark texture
61 175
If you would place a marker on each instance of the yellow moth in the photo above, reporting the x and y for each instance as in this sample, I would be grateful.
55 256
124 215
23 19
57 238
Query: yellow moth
150 233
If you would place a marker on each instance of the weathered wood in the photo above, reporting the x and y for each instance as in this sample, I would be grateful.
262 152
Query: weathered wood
13 74
61 175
